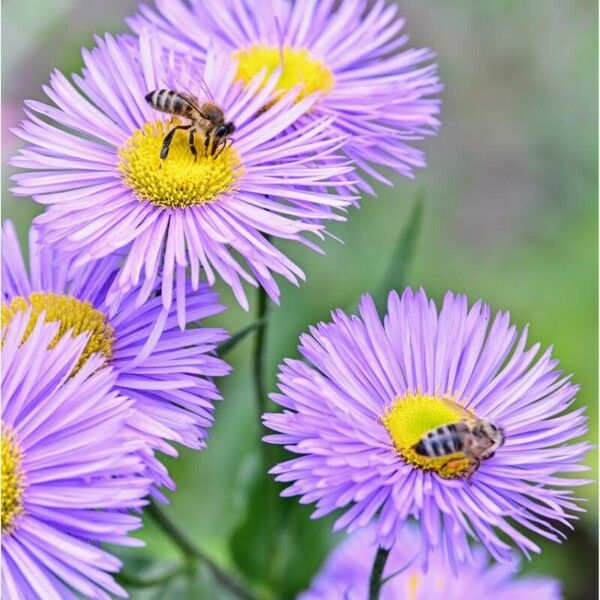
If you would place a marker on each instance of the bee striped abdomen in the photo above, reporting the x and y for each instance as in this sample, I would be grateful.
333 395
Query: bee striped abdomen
169 101
440 442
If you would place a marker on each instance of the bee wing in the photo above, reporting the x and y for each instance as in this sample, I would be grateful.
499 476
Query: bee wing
191 80
204 87
184 76
193 102
466 415
462 427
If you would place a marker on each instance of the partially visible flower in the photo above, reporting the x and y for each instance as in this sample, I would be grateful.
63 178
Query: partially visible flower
347 571
95 160
70 470
167 372
383 96
371 391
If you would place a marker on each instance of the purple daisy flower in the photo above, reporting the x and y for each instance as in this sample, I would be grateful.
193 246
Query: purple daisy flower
362 414
350 52
347 571
95 161
166 371
70 470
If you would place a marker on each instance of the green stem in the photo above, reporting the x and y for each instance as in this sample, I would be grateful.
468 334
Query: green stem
259 352
188 548
396 275
376 580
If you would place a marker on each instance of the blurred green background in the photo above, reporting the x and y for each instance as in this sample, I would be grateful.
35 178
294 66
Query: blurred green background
510 216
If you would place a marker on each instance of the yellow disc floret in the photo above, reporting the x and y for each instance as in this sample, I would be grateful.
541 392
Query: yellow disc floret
72 314
299 68
178 181
413 415
11 480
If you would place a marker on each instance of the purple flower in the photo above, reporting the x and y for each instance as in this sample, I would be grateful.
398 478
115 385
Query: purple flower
95 161
167 372
372 391
70 470
350 52
347 571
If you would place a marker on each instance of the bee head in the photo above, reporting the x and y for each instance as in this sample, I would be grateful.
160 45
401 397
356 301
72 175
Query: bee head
225 130
496 433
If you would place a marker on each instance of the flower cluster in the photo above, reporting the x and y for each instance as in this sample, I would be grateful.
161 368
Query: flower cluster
369 392
181 156
70 468
383 97
166 371
97 166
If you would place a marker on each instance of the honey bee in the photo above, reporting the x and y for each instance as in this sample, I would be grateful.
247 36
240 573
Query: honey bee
476 439
206 118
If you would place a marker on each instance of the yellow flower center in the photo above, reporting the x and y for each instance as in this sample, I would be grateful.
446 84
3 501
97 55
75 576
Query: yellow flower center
298 68
410 417
11 480
79 316
178 181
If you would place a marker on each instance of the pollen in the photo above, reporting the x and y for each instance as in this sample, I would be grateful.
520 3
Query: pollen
298 68
73 314
177 181
11 480
413 586
410 417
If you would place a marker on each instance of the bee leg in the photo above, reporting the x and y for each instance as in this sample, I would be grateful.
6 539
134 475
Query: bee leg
206 143
452 461
164 151
471 470
192 145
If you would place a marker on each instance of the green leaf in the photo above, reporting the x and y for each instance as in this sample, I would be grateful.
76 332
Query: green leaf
154 576
146 580
277 545
196 585
396 275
